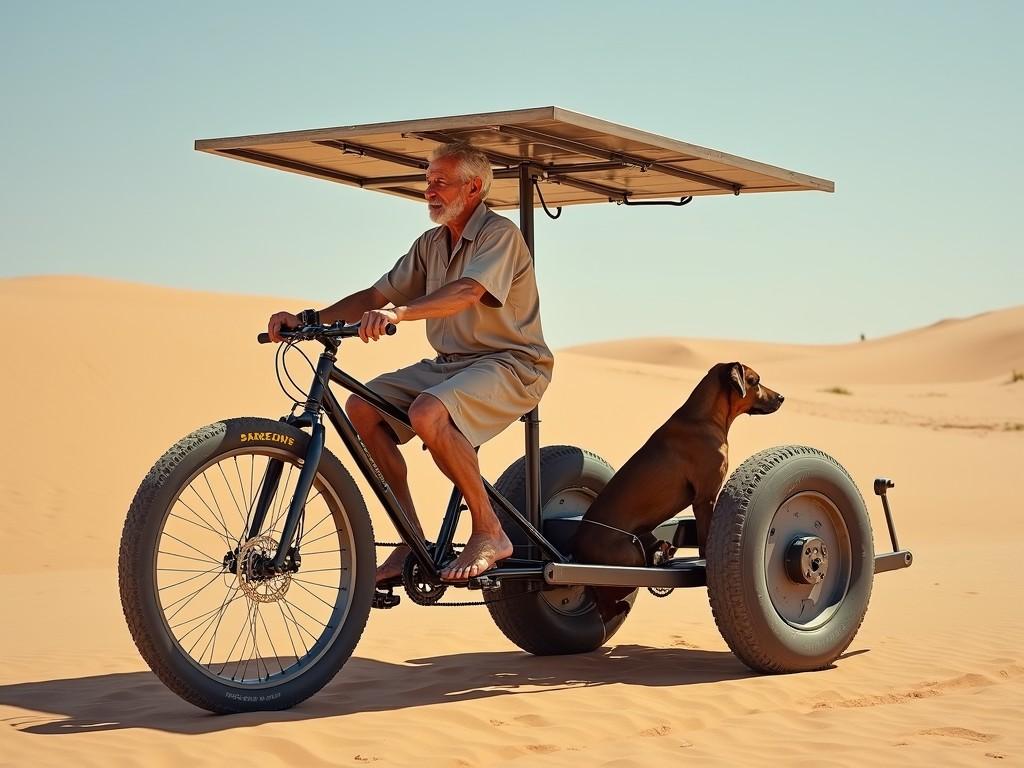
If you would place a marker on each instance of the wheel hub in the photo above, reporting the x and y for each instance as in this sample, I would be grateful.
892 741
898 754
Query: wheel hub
807 560
256 577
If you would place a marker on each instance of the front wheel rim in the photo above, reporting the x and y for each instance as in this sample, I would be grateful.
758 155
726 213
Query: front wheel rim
251 638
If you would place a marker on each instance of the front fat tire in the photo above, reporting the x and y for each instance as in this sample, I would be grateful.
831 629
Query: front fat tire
741 583
157 496
526 613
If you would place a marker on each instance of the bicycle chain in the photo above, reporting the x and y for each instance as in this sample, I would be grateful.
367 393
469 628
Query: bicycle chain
457 603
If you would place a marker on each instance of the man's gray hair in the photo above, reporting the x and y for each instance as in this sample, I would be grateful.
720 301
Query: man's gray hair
472 163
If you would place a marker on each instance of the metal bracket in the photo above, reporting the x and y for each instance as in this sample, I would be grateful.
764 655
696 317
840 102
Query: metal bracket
681 201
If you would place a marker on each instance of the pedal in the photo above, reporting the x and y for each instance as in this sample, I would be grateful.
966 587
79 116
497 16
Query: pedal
484 582
385 598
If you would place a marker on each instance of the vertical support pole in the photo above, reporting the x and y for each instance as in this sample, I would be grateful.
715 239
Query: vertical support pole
533 417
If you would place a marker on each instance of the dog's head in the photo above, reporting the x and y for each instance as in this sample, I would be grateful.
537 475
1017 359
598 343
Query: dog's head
747 393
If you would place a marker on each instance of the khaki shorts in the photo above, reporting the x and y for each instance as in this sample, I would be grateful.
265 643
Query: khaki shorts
483 395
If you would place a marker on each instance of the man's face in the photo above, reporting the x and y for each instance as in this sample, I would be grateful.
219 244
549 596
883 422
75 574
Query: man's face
447 194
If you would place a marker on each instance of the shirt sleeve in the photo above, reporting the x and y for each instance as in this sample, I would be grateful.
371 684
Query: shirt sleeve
407 279
493 263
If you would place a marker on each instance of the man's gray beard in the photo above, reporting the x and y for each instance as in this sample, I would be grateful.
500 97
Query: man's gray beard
452 211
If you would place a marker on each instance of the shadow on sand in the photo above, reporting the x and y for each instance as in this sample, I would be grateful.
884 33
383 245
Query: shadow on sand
139 699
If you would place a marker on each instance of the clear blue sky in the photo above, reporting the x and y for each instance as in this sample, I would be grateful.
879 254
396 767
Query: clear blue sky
914 109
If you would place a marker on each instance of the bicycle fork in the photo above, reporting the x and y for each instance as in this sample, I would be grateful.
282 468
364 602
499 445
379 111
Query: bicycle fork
310 464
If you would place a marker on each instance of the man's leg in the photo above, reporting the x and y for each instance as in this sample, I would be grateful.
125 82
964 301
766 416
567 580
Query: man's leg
455 456
380 442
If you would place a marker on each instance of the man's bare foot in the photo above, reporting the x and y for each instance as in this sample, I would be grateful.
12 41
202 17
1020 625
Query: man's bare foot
392 567
480 554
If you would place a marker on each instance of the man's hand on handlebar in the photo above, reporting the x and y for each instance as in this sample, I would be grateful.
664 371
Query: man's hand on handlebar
281 321
375 322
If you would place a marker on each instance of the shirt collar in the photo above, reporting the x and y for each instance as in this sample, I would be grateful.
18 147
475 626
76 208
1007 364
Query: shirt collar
476 221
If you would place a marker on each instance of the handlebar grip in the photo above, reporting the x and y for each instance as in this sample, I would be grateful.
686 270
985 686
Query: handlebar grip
390 329
263 338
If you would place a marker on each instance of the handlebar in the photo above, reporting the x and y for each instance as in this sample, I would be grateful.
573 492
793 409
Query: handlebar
338 330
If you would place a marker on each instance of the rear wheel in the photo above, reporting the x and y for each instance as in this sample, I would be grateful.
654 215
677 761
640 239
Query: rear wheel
548 620
216 625
790 560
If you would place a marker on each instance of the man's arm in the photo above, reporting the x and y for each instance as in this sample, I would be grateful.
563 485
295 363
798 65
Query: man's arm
447 300
353 307
349 309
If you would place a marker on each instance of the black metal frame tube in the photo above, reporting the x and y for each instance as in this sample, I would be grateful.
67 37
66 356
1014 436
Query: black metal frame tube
532 436
399 518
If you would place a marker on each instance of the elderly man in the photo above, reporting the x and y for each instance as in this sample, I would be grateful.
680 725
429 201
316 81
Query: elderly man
472 280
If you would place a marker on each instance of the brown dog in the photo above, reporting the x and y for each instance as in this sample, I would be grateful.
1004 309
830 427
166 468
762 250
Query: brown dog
684 462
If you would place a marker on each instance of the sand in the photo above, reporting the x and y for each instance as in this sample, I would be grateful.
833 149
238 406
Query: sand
110 374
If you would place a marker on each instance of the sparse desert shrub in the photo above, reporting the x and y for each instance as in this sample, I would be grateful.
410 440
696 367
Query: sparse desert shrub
838 391
1016 376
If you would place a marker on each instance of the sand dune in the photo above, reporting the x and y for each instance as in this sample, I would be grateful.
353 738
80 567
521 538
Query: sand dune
114 373
983 347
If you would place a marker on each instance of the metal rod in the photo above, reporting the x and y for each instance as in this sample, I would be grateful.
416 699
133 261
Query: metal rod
495 157
302 486
532 430
570 181
893 561
268 489
446 535
376 182
548 550
888 520
684 572
586 149
294 165
377 154
386 496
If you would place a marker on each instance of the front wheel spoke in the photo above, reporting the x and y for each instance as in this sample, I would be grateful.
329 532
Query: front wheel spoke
227 659
320 521
255 645
214 622
238 593
188 598
285 502
314 594
188 570
190 578
203 525
299 627
204 554
287 629
186 557
324 536
334 587
230 490
219 514
273 648
241 484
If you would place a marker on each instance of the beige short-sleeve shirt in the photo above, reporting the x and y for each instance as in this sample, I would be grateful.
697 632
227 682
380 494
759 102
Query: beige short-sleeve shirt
506 322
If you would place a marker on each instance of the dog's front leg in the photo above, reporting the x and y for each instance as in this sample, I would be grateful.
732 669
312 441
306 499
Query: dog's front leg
702 512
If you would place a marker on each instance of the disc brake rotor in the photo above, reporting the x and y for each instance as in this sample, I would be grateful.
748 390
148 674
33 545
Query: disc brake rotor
255 578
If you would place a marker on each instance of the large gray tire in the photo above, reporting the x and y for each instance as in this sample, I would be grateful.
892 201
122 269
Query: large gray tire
772 621
159 551
541 620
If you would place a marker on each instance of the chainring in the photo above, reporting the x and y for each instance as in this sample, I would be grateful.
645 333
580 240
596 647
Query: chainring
420 591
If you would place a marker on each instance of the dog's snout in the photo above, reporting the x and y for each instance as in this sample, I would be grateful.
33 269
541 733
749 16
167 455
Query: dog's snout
781 397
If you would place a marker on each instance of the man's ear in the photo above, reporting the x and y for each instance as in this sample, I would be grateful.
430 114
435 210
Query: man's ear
737 378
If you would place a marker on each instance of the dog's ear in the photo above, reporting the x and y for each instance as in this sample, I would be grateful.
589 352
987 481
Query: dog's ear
737 378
